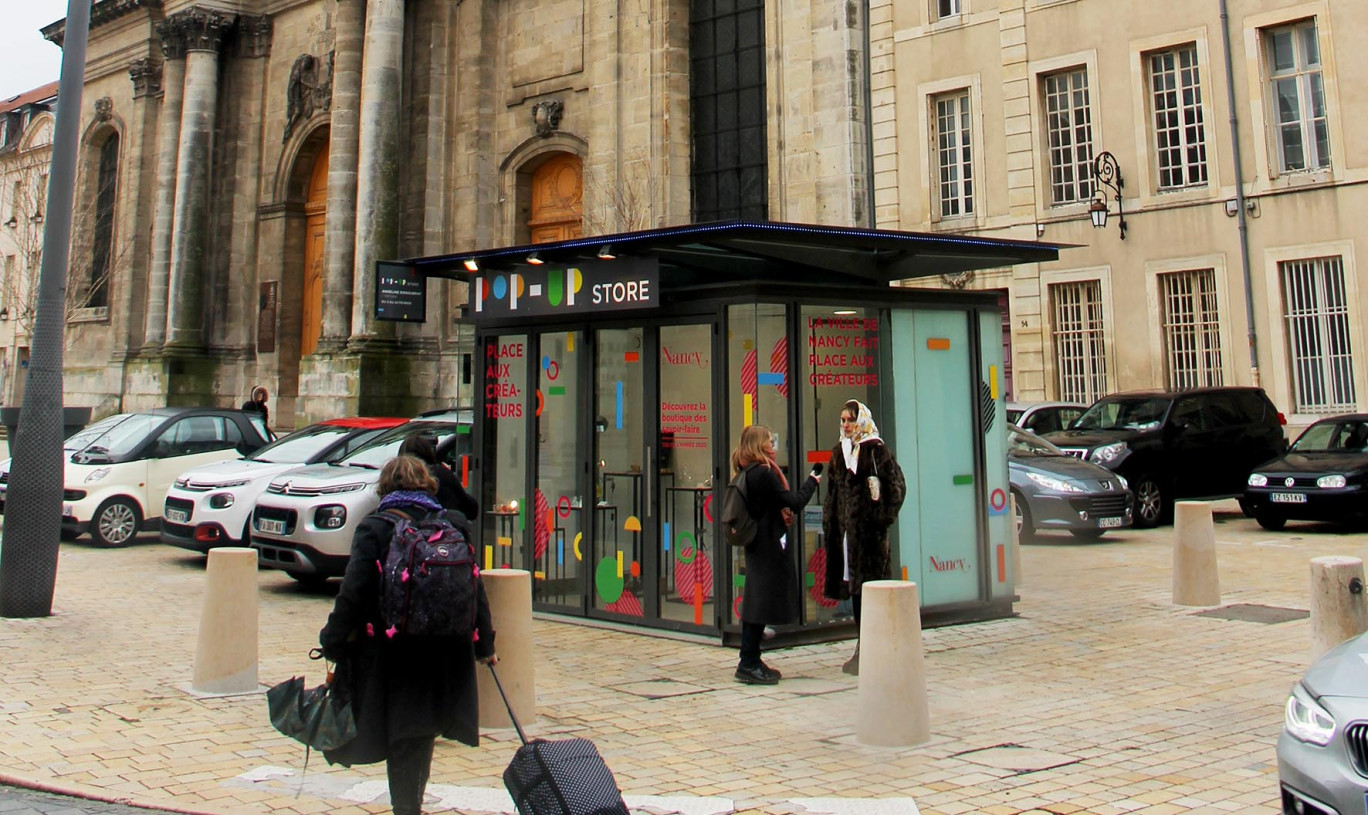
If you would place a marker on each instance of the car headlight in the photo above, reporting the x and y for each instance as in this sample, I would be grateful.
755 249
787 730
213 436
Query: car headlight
1258 480
341 488
221 500
182 482
332 516
1125 485
1107 453
96 475
1056 484
1307 721
1331 482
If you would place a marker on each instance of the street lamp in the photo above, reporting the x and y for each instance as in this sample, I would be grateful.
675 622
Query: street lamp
1107 176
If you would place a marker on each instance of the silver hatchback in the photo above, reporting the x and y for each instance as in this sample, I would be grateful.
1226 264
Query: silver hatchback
1323 749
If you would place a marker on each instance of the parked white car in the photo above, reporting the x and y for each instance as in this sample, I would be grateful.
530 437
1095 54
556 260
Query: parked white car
303 523
212 506
119 469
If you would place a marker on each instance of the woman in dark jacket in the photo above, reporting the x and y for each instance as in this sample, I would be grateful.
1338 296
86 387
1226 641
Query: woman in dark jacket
771 591
450 494
404 690
854 522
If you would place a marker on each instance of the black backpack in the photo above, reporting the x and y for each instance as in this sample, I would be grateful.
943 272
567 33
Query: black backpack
428 581
738 527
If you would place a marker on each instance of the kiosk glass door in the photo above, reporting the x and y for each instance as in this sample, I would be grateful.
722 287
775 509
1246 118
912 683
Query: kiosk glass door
621 508
558 501
684 474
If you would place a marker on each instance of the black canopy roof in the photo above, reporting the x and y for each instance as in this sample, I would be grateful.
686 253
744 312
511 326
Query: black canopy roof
737 251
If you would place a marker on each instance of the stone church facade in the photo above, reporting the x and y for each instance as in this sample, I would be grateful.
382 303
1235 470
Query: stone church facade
269 152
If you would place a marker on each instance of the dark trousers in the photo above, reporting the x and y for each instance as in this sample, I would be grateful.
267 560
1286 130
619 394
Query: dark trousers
751 636
408 765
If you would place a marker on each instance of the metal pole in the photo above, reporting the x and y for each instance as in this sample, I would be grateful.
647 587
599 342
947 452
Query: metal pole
1242 214
33 503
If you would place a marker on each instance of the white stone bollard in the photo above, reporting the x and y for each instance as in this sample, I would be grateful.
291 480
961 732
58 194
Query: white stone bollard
1196 580
510 607
1337 613
226 656
892 697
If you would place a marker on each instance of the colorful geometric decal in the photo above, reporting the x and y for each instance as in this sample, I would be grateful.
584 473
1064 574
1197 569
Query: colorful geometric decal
619 406
541 532
579 536
627 604
632 524
707 508
816 579
997 502
694 578
684 552
779 366
608 580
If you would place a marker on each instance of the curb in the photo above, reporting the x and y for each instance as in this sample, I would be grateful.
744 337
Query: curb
93 794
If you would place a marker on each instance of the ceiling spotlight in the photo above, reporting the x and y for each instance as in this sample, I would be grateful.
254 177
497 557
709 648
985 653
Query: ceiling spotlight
605 252
534 259
471 265
845 312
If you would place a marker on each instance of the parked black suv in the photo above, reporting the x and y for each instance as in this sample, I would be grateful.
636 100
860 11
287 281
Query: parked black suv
1198 443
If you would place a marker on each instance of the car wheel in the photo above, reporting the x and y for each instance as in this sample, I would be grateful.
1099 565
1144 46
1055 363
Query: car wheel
1024 525
1246 506
1271 521
115 523
309 580
1150 502
1088 534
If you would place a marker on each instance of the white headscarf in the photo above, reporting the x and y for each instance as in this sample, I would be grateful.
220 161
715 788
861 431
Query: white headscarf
865 429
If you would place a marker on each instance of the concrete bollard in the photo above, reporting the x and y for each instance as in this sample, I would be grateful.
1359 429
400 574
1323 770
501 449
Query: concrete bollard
893 711
1337 611
1196 580
1016 546
226 656
510 606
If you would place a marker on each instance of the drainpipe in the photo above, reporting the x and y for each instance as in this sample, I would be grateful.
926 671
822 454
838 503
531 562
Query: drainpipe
1241 212
869 116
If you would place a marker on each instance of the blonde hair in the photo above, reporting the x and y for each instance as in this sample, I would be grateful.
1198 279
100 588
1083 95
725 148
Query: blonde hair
405 473
751 448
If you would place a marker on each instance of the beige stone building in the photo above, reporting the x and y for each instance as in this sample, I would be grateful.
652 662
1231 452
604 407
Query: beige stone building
990 114
26 126
269 152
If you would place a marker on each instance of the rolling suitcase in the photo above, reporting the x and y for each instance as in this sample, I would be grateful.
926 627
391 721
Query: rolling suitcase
563 777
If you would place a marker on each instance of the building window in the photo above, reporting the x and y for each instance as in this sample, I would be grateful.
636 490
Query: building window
727 99
1191 325
1080 350
1298 90
101 260
954 154
1068 131
1179 131
947 8
1316 307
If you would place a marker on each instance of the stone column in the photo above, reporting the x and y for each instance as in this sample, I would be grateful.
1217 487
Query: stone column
339 234
377 173
168 138
204 32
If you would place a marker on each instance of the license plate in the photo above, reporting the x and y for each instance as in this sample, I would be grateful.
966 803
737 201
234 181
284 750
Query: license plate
271 527
1287 497
1108 523
177 516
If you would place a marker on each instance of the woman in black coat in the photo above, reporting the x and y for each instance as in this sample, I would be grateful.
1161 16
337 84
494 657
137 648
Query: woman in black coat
450 494
855 524
404 690
771 591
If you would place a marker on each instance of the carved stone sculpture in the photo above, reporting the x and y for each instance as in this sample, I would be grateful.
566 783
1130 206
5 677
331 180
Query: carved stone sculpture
546 115
309 91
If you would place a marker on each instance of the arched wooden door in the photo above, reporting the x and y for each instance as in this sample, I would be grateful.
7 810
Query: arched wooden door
316 217
557 199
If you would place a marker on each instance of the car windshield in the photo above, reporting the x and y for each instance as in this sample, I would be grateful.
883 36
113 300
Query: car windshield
301 447
1024 444
91 432
1013 414
382 448
119 438
1132 413
1333 437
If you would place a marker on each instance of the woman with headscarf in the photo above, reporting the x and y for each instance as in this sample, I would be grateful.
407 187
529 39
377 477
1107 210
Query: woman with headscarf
867 490
770 596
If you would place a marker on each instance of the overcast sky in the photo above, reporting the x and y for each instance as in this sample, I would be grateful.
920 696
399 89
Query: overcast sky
26 59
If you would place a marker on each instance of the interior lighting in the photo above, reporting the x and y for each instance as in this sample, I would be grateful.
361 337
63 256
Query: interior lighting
471 265
605 252
534 259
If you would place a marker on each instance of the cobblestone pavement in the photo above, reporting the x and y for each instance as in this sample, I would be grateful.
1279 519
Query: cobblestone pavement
1100 697
18 801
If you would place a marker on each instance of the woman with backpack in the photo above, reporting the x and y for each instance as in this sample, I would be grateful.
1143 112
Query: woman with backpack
867 490
771 591
405 689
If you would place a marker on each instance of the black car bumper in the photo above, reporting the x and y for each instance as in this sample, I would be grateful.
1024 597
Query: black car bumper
1313 504
188 536
297 558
